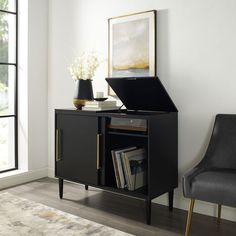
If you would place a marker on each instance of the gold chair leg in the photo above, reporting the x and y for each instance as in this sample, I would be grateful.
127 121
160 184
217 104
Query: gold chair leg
219 214
189 219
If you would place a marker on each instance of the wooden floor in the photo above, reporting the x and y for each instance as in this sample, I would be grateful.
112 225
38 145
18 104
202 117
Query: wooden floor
119 212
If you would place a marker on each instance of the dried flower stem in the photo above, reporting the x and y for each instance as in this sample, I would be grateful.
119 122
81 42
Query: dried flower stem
84 66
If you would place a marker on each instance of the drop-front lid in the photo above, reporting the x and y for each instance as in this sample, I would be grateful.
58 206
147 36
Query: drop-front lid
142 93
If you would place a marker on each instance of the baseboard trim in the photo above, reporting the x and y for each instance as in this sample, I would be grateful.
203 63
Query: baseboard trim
22 177
51 173
200 207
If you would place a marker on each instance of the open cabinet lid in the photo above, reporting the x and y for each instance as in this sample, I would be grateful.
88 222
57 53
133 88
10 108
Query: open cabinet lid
142 93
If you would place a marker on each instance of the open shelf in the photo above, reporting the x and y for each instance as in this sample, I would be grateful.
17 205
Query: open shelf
117 140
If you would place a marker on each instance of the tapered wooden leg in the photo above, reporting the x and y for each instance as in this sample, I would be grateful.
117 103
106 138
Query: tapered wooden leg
86 187
148 204
219 214
171 199
60 188
189 219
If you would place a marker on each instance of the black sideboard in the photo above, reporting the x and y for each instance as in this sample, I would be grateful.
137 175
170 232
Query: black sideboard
83 144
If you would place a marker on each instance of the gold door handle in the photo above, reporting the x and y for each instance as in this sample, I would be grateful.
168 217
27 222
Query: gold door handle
58 145
98 151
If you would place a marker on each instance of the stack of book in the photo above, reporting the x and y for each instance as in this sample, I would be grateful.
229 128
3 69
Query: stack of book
99 105
129 167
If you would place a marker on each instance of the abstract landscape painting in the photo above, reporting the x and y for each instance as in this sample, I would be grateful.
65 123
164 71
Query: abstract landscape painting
132 45
130 48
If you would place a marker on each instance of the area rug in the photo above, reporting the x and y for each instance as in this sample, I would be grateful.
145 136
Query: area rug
20 216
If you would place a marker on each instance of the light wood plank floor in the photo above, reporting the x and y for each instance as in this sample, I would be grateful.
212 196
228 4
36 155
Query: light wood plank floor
119 212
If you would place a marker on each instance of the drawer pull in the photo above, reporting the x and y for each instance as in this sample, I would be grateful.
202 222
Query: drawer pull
98 151
58 145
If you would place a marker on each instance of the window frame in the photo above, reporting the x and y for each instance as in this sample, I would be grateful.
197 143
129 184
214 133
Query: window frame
15 115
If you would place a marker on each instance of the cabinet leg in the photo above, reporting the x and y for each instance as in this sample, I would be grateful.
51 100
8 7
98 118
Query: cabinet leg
86 187
148 204
171 199
60 188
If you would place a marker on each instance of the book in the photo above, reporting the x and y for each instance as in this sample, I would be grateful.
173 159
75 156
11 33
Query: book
119 163
100 103
88 108
127 180
115 169
135 167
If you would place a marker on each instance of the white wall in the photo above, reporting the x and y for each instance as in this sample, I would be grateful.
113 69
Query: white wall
196 63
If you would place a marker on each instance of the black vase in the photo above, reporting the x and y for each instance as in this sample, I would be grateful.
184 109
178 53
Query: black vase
83 92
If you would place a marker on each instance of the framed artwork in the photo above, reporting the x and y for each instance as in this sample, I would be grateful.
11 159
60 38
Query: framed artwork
132 46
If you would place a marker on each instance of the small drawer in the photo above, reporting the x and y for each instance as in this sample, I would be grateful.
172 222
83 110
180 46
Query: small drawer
128 124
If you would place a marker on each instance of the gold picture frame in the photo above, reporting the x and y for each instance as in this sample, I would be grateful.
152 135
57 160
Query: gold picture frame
132 46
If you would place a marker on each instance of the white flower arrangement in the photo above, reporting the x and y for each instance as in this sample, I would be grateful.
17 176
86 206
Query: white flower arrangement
84 66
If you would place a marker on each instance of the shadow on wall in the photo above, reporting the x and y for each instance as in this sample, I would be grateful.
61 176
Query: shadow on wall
163 72
162 47
204 143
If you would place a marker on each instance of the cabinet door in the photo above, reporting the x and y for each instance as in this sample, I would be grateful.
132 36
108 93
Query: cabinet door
76 148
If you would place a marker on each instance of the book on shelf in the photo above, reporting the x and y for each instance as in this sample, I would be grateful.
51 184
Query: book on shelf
135 168
115 168
118 166
90 108
125 171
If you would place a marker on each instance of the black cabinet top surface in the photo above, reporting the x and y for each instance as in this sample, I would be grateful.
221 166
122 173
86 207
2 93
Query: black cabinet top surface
112 113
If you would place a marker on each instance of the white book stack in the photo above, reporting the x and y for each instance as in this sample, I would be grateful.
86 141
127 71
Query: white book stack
99 105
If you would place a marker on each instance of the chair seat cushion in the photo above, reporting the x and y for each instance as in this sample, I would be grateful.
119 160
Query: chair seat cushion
217 186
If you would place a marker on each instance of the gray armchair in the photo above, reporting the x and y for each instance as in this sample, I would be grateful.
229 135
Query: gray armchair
214 178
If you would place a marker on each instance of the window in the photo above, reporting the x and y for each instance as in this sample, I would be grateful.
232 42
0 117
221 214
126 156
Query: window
8 84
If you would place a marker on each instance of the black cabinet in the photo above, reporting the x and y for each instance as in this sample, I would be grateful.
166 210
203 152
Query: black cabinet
84 141
77 149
